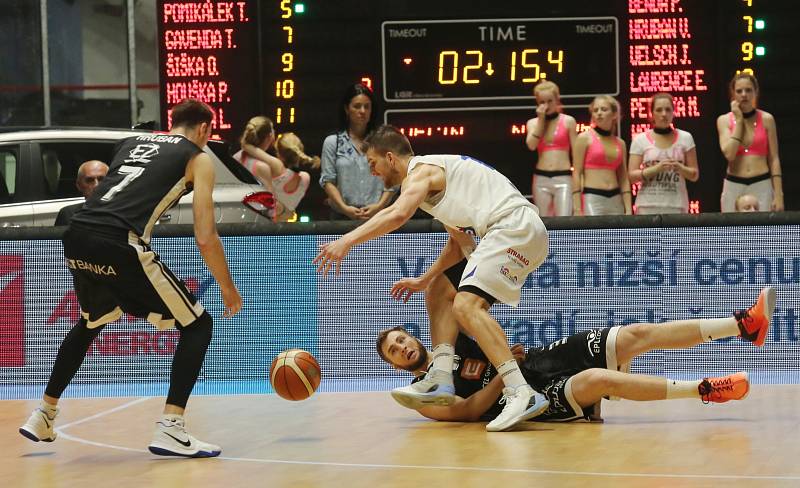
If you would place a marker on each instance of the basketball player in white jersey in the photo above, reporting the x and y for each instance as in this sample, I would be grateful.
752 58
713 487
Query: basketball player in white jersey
469 198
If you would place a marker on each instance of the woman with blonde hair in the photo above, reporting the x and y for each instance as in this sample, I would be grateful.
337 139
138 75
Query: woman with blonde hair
551 134
748 139
662 159
288 186
600 171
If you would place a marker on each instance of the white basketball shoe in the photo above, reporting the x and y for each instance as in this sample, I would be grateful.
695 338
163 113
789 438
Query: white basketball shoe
171 439
39 426
521 403
435 389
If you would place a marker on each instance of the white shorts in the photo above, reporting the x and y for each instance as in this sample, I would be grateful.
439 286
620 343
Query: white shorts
514 247
732 190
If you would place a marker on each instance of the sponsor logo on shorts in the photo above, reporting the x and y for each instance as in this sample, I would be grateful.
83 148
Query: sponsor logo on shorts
473 369
553 394
593 341
98 269
507 273
12 303
517 256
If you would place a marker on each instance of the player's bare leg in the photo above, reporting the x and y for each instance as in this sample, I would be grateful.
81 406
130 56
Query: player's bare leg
752 325
590 386
437 386
521 401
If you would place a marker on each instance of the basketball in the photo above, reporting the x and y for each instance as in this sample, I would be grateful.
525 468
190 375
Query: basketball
295 374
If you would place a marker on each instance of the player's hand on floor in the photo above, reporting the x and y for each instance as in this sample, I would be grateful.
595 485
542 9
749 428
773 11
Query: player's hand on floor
403 289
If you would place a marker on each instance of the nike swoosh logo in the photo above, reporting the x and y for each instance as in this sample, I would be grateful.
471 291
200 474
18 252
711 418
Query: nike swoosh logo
471 272
185 443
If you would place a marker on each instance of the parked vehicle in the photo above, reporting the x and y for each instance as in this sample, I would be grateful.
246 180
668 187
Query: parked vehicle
38 169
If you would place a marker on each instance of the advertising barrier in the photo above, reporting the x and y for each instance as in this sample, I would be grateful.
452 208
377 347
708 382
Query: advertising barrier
591 278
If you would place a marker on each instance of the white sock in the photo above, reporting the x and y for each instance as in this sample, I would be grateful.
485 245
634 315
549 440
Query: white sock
48 408
443 358
682 389
713 329
510 373
172 418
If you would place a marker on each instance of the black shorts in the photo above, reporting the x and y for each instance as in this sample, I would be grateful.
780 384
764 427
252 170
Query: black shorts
550 369
115 272
454 273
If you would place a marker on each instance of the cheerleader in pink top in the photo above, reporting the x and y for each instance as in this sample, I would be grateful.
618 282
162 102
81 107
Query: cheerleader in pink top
288 186
600 174
551 134
749 141
662 159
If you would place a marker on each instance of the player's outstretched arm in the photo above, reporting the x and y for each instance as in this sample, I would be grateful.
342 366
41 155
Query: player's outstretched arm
471 409
415 189
467 409
200 171
452 253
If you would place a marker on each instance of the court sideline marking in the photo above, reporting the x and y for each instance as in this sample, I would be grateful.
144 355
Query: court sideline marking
131 403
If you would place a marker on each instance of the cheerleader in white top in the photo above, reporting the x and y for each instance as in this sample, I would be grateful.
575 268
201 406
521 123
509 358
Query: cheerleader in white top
662 159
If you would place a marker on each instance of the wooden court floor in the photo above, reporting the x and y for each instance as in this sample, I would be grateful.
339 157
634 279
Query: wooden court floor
365 440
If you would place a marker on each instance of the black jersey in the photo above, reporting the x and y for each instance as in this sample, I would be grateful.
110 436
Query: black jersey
145 179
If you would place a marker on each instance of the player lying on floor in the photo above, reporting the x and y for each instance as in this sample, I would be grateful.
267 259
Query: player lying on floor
576 372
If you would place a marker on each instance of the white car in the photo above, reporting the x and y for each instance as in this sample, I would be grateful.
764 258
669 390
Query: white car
38 169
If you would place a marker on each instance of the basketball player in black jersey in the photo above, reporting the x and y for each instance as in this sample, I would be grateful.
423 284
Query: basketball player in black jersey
576 372
107 250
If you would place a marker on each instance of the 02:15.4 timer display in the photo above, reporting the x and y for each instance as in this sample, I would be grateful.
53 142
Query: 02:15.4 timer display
499 58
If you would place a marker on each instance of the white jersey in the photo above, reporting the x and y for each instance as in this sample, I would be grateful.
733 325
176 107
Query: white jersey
475 195
668 188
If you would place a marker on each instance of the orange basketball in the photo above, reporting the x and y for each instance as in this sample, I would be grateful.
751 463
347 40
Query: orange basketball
295 374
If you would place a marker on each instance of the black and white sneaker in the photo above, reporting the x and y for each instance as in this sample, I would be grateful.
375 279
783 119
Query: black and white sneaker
171 439
39 426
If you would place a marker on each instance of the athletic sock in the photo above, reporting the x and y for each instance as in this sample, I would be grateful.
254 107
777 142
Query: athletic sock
510 373
682 389
713 329
443 358
48 408
172 417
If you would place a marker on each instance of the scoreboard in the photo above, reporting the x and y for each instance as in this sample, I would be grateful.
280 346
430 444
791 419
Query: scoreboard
499 59
458 76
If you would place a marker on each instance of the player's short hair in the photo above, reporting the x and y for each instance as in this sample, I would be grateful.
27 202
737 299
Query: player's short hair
382 335
190 113
256 130
387 138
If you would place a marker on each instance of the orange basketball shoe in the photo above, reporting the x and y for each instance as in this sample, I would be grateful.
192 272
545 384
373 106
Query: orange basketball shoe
720 390
754 322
